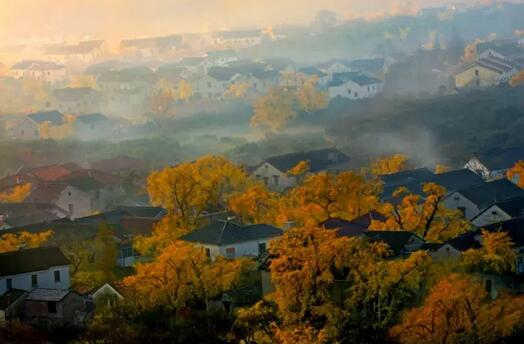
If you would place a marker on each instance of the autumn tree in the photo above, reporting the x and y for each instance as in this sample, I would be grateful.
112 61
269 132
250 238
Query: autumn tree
256 205
517 171
393 164
459 310
189 189
273 111
497 254
180 276
439 169
322 196
15 241
426 216
163 97
17 194
309 98
300 169
184 91
238 90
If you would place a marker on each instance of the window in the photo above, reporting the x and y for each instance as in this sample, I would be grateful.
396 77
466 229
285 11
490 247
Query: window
69 193
57 276
51 307
208 252
70 208
462 209
266 181
276 180
230 252
489 286
356 94
34 280
9 284
477 72
349 92
261 248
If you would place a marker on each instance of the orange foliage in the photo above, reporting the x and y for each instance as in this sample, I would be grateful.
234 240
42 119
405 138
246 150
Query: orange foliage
272 111
299 169
517 79
15 241
256 205
309 98
496 255
426 216
17 195
517 171
389 165
458 310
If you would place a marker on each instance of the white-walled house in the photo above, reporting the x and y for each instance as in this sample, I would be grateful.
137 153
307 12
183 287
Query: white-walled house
232 240
221 57
238 38
70 199
45 71
19 127
500 211
28 269
354 86
209 87
273 171
335 67
473 200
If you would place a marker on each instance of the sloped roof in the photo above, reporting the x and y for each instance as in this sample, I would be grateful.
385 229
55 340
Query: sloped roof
222 73
92 118
143 212
49 173
503 47
33 259
37 65
191 61
279 63
356 77
370 65
396 240
54 117
514 228
466 241
514 207
327 64
83 47
319 160
355 227
41 294
458 179
10 297
227 233
404 177
485 194
312 71
45 193
119 164
500 158
131 74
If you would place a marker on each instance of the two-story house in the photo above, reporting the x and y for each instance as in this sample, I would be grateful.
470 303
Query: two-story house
354 85
75 202
232 240
48 72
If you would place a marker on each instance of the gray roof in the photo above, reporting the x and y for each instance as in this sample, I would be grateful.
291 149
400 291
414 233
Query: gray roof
92 118
319 160
128 75
369 65
312 71
356 77
29 260
227 233
37 65
47 294
404 177
503 47
54 117
459 179
222 73
396 240
485 194
514 207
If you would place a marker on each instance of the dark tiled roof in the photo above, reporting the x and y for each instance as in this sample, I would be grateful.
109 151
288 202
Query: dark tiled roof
10 297
28 260
355 227
514 228
319 160
54 117
500 158
312 71
485 194
513 207
370 65
227 233
144 212
397 240
405 177
459 179
92 118
466 241
119 164
222 73
505 48
356 77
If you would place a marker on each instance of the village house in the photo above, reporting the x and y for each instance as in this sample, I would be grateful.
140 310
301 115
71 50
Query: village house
401 243
273 171
82 53
103 188
27 269
19 127
151 46
121 166
354 86
472 201
355 227
494 163
485 72
75 202
376 67
92 126
280 64
196 65
213 85
45 71
508 50
335 67
232 240
52 124
220 57
323 79
106 295
442 251
238 39
76 100
500 211
14 215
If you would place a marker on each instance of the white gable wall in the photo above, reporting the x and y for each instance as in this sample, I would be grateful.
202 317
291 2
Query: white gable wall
273 177
352 90
456 201
76 202
46 280
489 216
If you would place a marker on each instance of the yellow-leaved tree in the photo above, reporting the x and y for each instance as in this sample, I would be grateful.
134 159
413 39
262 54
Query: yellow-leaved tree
309 98
497 254
14 241
273 111
426 216
181 276
188 190
517 172
184 91
458 310
238 90
393 164
17 194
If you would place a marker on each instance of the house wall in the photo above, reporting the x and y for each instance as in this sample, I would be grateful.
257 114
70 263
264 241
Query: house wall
477 167
46 279
244 249
352 90
208 87
485 77
79 200
489 216
456 201
446 252
268 173
21 129
71 310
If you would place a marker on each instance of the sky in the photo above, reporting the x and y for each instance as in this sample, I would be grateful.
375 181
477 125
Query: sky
23 21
